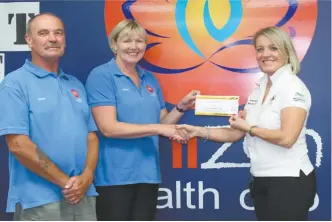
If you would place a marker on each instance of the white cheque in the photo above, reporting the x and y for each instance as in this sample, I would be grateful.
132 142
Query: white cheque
216 105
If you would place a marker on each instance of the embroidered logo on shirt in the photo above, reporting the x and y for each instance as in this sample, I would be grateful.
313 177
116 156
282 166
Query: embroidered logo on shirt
41 98
298 97
76 95
124 89
272 99
150 89
252 102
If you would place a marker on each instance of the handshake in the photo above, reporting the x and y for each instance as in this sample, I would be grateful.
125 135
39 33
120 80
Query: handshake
183 133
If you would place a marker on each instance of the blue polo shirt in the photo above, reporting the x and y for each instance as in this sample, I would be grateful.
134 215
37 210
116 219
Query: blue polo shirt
126 161
53 111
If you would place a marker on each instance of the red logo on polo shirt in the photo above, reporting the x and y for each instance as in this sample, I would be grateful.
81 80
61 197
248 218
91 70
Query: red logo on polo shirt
149 88
75 93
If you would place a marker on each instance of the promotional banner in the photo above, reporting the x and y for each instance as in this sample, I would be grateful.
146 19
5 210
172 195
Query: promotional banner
194 44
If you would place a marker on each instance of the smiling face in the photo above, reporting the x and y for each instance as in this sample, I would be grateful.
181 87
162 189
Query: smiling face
130 46
46 37
268 55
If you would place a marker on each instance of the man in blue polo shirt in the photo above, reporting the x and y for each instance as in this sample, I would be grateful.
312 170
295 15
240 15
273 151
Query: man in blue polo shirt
49 131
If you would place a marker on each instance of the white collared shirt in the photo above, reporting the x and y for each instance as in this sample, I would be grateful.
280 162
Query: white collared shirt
267 159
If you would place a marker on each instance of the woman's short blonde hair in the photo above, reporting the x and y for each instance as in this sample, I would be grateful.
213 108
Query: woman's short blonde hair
123 28
284 44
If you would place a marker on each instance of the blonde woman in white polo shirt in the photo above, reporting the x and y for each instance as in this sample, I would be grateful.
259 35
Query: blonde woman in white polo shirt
273 122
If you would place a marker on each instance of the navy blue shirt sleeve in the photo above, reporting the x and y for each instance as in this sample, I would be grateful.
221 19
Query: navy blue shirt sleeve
100 89
14 118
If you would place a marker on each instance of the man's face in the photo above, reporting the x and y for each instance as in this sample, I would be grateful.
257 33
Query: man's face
47 37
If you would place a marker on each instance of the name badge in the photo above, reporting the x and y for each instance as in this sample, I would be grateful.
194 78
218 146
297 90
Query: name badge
216 105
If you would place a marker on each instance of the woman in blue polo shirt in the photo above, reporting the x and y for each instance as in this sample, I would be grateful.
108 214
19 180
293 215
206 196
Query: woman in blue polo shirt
129 109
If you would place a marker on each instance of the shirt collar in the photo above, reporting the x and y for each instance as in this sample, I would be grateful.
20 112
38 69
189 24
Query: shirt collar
286 69
40 72
116 70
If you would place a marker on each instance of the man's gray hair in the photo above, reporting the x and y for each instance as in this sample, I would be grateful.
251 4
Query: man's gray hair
28 30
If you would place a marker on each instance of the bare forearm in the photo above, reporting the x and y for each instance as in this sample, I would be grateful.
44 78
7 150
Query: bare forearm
30 156
172 117
276 137
92 155
221 134
127 130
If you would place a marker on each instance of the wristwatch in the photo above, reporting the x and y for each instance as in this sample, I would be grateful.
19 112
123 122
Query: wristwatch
250 129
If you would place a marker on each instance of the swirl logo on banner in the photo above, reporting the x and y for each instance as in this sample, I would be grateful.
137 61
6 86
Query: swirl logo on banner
196 44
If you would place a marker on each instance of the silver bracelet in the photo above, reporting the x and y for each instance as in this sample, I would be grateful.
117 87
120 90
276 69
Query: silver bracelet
207 135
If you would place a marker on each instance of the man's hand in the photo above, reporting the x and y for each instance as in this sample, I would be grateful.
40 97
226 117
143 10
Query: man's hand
77 187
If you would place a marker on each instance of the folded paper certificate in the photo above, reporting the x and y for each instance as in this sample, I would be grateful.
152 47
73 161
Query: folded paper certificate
216 105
